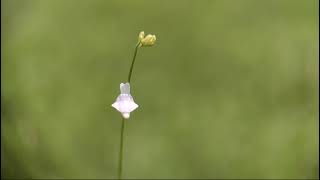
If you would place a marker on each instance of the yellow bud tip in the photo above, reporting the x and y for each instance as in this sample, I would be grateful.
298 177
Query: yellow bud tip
141 36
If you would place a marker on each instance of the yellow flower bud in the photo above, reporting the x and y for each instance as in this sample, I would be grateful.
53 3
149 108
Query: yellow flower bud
149 40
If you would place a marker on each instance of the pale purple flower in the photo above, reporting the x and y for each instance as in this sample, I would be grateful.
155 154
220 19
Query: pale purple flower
124 103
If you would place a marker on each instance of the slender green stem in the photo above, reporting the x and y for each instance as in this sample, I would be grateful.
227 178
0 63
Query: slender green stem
123 120
121 150
133 60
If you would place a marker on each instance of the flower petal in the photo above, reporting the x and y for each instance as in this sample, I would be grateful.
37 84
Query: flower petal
125 88
126 115
132 106
115 105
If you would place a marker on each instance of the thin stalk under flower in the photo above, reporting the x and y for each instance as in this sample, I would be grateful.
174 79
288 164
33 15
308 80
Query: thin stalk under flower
121 150
123 120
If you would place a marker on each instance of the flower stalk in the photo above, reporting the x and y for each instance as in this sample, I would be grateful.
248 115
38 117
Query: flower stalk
121 150
124 102
133 60
123 119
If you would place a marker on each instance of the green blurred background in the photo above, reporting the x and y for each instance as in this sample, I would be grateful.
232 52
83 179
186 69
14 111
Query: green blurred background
230 90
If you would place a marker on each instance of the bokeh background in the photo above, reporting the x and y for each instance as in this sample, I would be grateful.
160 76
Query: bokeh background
230 90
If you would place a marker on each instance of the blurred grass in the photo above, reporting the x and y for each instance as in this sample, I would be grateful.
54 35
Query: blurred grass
230 90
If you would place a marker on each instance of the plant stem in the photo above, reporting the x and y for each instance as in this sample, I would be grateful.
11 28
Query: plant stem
123 120
121 150
133 60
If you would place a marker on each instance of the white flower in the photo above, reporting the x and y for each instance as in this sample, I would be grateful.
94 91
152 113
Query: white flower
124 103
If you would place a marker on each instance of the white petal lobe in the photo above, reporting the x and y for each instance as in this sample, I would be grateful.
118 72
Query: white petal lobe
126 115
